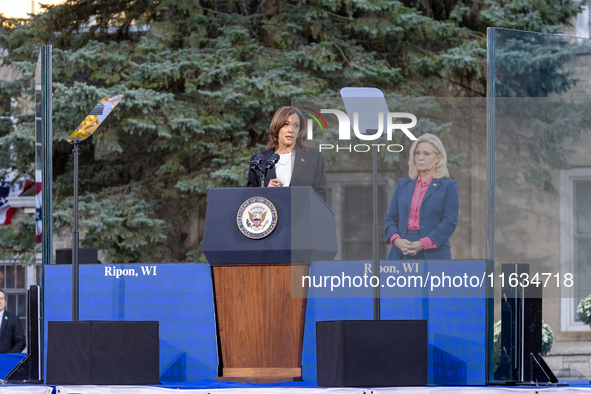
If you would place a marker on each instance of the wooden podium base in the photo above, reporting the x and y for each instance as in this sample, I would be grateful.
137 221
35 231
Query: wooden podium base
261 326
261 375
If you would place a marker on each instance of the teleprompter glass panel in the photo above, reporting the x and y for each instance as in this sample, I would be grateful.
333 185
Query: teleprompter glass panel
43 153
348 139
538 133
348 149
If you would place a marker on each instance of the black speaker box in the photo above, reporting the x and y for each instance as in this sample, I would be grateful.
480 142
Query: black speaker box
371 353
103 352
85 256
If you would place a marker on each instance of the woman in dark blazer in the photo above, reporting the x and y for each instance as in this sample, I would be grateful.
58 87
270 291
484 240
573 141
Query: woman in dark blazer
299 164
423 212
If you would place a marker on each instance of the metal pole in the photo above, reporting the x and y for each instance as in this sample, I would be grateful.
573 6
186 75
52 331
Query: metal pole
490 177
47 155
490 145
262 179
75 238
375 235
46 152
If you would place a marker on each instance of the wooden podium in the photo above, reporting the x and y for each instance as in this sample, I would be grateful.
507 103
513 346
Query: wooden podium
260 301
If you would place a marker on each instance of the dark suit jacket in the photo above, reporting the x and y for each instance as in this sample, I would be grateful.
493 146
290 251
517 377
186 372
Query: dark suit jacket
12 339
308 170
438 215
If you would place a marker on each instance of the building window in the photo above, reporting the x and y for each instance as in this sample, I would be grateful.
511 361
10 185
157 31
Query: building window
575 243
350 196
13 280
358 222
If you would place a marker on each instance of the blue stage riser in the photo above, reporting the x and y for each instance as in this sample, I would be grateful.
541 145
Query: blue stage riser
180 297
455 316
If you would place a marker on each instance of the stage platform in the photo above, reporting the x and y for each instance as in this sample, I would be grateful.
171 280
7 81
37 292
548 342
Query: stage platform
214 387
205 387
26 389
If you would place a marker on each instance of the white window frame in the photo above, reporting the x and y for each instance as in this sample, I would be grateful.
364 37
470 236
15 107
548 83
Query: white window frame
582 23
567 246
30 279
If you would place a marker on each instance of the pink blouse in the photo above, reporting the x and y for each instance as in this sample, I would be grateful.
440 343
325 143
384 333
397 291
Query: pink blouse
415 208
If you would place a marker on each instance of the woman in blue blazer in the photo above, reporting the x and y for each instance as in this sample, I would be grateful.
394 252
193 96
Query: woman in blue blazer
423 212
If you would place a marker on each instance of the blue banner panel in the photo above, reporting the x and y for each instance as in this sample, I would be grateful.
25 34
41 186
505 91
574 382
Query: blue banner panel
179 296
455 311
8 361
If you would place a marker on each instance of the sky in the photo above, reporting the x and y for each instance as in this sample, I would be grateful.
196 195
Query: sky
20 8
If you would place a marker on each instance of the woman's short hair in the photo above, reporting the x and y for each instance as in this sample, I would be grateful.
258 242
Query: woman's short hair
278 122
440 168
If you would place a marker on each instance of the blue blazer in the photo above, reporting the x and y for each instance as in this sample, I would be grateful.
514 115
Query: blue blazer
438 215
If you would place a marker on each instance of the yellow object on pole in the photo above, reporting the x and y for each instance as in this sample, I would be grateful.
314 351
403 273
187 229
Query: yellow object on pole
94 119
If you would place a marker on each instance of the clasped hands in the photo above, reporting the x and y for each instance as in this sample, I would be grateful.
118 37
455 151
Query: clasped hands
408 248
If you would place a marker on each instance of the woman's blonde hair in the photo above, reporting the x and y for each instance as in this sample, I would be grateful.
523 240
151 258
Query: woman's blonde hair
440 168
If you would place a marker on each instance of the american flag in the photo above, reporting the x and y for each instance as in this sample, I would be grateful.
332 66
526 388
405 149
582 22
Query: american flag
18 188
38 218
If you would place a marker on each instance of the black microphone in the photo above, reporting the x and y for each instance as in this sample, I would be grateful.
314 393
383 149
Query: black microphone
272 161
255 164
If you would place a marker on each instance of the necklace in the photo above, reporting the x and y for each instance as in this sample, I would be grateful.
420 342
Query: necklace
287 150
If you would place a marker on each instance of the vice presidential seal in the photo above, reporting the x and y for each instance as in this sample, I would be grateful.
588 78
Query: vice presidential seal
257 217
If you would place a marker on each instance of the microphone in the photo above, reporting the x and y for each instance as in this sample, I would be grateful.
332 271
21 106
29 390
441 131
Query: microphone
272 161
255 164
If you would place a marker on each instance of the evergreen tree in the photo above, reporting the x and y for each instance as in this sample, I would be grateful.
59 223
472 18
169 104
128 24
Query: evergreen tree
201 80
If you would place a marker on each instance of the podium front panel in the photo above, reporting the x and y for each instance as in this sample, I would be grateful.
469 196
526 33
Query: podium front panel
305 228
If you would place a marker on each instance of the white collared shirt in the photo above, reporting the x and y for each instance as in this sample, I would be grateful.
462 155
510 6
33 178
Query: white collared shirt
283 168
